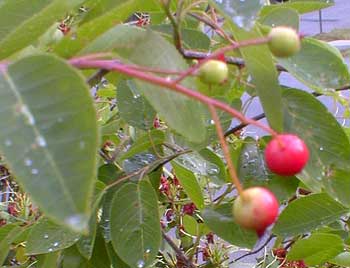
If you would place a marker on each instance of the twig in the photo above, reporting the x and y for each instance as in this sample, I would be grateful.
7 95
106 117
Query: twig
254 251
197 55
219 52
212 25
96 77
178 251
146 169
262 115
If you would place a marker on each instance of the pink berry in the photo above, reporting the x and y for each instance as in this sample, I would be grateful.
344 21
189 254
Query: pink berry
256 208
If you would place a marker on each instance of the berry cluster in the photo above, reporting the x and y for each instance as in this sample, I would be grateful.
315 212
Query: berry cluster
257 208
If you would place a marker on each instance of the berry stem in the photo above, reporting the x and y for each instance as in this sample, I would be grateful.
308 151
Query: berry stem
112 65
219 52
226 151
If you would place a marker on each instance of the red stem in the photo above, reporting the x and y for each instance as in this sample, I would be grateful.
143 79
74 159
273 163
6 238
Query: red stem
226 151
85 63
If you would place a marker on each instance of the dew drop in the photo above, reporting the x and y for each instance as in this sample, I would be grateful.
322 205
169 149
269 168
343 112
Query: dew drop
82 145
147 251
140 264
321 148
8 142
35 171
77 222
27 114
50 249
40 140
46 236
28 162
55 244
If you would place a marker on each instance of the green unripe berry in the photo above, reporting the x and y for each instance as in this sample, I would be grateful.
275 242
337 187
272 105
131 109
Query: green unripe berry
213 72
284 41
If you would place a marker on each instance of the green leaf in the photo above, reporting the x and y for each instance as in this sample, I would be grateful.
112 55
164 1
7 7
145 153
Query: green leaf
46 237
50 141
215 168
318 65
305 116
114 258
190 184
316 249
86 242
220 220
71 258
262 69
48 260
343 259
242 13
186 116
192 39
308 213
281 16
191 225
31 19
108 173
133 107
251 163
111 13
8 234
302 6
100 257
337 184
135 227
146 142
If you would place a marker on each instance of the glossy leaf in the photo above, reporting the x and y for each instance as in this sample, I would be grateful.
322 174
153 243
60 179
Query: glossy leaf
190 184
242 13
192 39
114 258
50 141
135 226
31 19
186 116
146 142
308 213
343 259
281 16
133 107
337 183
305 116
318 72
46 237
216 169
261 67
220 220
316 249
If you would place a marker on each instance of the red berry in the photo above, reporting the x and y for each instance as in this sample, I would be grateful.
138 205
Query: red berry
286 155
255 209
